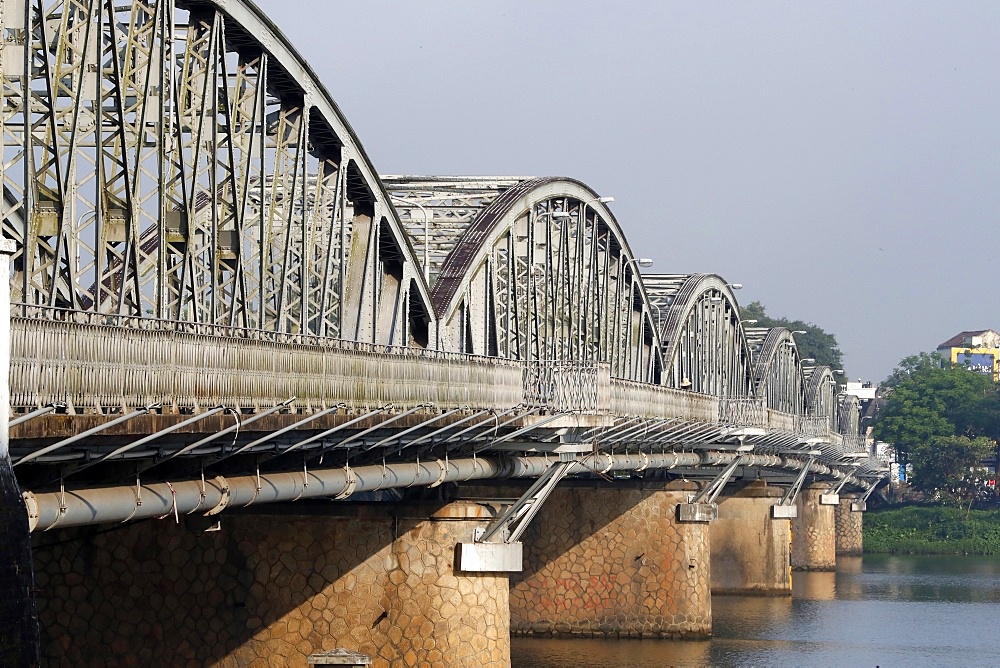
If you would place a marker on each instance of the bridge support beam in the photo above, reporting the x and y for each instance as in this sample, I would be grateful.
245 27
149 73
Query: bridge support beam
750 553
271 589
850 526
814 535
612 562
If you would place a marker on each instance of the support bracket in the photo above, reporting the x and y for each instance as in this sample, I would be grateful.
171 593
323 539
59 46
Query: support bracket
512 522
702 507
861 505
786 509
714 488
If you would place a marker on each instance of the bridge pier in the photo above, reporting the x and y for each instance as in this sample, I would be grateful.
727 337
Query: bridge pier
271 589
750 553
850 527
613 562
814 534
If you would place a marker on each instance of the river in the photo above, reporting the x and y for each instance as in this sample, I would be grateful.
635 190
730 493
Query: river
876 610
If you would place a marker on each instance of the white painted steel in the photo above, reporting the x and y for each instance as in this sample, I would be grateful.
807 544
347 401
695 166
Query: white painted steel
168 499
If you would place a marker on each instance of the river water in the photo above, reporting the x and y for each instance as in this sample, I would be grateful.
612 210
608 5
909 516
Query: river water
875 610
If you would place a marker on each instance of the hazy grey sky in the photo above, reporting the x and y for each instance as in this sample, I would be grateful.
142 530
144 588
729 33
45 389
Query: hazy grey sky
840 159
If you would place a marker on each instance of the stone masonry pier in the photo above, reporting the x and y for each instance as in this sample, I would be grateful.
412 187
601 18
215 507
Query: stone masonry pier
850 527
269 590
814 535
612 562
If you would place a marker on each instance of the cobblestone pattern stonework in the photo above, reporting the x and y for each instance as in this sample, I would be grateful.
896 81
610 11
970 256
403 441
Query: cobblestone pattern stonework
814 533
750 550
613 563
850 528
268 591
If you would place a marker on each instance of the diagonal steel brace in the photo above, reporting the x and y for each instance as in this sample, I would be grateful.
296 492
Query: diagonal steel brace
508 527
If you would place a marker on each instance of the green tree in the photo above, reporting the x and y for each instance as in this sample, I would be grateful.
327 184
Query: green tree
943 420
950 466
815 343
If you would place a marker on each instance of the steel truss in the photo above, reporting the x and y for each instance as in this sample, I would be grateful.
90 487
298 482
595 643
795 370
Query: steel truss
704 344
539 271
169 159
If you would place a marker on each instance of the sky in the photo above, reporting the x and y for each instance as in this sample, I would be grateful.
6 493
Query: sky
841 159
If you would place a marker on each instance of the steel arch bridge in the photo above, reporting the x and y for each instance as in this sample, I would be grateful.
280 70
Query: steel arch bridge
210 278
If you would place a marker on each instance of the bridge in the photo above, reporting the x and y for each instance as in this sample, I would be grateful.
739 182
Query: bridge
217 303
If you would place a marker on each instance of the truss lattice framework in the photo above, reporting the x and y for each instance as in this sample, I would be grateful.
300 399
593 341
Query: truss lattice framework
155 162
849 415
705 348
821 394
777 374
531 269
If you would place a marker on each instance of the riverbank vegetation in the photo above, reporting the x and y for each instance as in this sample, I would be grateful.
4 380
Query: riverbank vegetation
944 422
932 529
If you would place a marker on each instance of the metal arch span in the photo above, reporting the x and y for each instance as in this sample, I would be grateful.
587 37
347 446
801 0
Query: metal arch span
821 396
535 269
705 348
777 375
157 157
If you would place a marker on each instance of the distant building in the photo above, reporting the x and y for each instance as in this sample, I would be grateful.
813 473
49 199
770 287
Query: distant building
979 350
863 391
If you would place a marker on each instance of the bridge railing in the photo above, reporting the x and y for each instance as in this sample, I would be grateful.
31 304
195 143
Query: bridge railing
556 385
810 425
630 397
743 412
96 367
780 421
854 443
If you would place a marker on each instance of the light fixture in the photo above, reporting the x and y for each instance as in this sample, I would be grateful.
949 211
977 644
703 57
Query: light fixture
605 200
715 300
641 261
808 360
735 286
839 372
799 331
560 214
749 322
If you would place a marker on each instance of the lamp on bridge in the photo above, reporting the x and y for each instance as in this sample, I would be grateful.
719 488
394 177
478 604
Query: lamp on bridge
808 360
641 261
748 322
799 331
555 214
734 286
601 200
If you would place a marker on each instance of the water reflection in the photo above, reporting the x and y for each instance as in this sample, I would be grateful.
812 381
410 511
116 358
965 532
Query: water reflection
875 610
815 586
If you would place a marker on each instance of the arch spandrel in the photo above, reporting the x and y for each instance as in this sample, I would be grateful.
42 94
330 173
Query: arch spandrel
541 271
777 374
705 347
184 163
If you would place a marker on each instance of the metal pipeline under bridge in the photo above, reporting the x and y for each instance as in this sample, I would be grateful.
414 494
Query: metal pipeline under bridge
67 508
